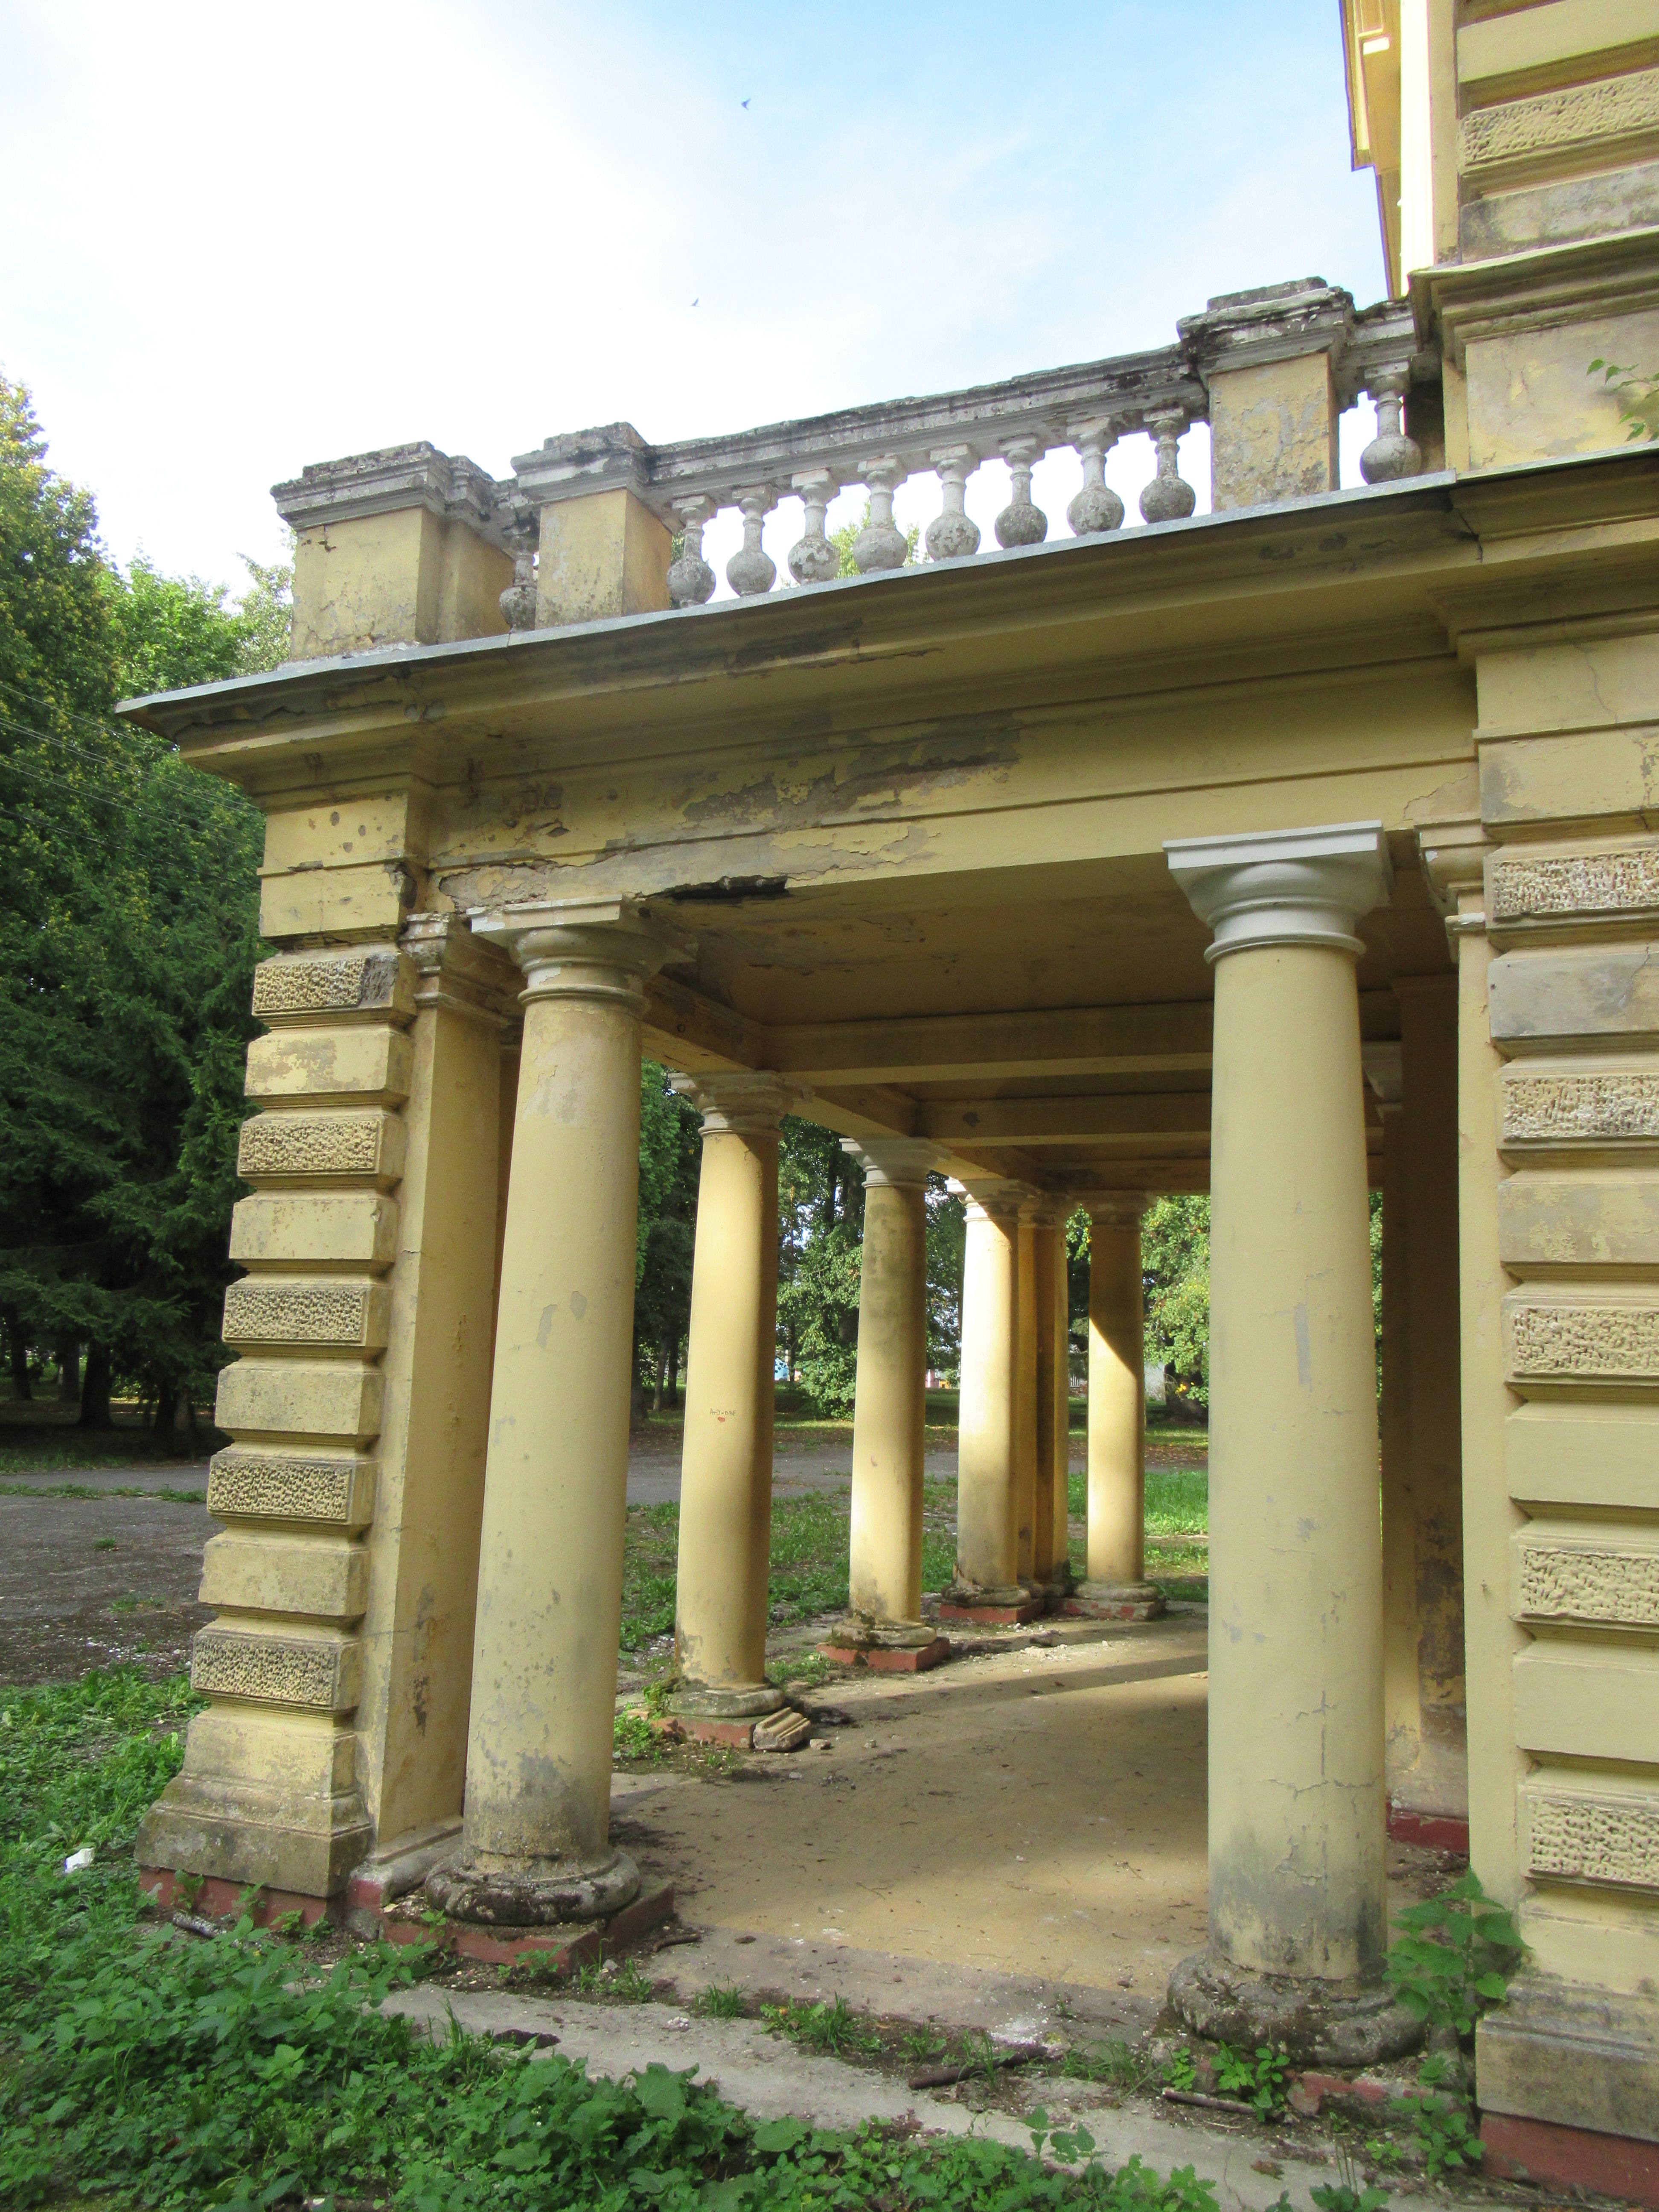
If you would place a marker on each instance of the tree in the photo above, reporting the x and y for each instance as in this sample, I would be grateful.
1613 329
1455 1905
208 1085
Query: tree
128 935
1174 1258
671 1158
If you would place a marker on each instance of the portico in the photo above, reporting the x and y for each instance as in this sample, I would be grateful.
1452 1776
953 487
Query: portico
1077 872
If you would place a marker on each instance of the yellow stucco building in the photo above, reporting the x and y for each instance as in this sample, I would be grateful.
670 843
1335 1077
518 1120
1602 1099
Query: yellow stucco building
1300 848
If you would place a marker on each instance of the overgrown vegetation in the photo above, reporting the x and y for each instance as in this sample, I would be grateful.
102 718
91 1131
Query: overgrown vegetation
1454 1956
1637 395
152 2070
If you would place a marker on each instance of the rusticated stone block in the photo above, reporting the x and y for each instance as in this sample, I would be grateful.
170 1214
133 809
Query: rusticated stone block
1574 1836
312 1398
320 1674
315 1229
1571 1343
275 1146
1617 882
261 1570
359 1067
1599 1583
1606 1106
1604 995
373 978
337 1491
352 1316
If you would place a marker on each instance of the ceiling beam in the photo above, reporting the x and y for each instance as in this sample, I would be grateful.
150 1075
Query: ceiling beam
1127 1117
948 1047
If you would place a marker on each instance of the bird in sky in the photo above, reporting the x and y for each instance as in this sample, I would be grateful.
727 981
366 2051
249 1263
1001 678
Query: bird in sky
695 301
743 103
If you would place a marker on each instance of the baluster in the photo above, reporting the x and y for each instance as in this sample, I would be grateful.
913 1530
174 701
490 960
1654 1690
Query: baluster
1097 509
751 569
1168 497
518 601
881 543
691 578
812 558
1019 522
1391 454
953 534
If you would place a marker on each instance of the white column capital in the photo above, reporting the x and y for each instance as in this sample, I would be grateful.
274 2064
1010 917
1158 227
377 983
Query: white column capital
994 1197
1286 887
903 1162
751 1103
582 948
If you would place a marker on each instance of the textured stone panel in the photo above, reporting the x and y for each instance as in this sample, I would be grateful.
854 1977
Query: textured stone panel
343 1144
1615 107
374 979
1583 1342
1571 1838
281 1670
290 1486
344 1314
1606 1107
1541 887
1601 1584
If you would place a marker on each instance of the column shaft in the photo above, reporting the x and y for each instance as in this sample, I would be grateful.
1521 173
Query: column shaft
726 1488
1026 1331
1295 1710
1050 1565
884 1626
1116 1587
535 1837
1297 1806
988 1506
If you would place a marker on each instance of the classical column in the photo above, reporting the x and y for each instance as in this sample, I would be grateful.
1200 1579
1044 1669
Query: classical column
1051 1565
536 1838
1027 1300
726 1484
1116 1587
884 1628
987 1585
1401 1722
1297 1805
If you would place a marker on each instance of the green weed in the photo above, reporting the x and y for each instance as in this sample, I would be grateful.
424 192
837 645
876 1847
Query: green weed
1114 2061
832 2029
632 1736
1453 1957
721 2001
1254 2077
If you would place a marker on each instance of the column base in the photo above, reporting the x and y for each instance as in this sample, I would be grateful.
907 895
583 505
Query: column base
1318 2023
740 1701
904 1647
256 1837
533 1893
1114 1601
1003 1605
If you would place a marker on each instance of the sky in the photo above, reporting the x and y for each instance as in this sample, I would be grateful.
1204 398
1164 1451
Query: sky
241 239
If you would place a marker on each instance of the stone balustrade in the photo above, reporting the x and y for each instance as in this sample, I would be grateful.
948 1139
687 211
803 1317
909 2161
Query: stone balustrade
619 523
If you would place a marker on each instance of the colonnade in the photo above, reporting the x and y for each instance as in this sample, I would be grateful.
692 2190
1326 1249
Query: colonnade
1296 1780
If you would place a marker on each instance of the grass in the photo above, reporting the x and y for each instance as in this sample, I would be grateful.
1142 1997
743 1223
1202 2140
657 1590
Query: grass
87 1490
721 2001
241 2071
810 1547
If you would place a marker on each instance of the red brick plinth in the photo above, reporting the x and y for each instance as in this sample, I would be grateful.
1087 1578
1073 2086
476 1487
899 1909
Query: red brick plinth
215 1898
889 1659
1434 1831
993 1616
572 1947
1123 1608
1570 2158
